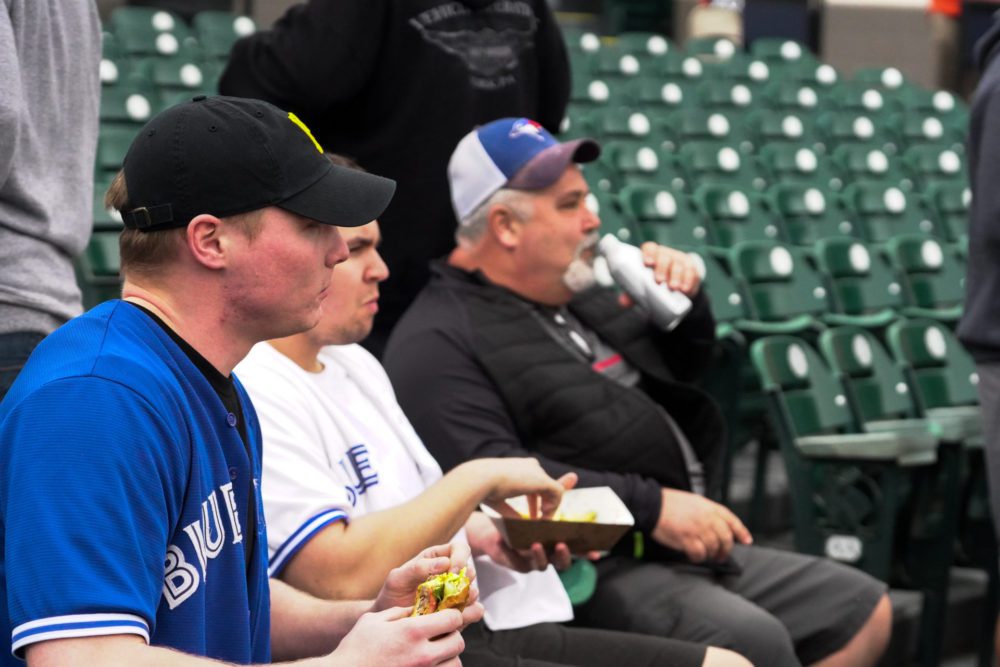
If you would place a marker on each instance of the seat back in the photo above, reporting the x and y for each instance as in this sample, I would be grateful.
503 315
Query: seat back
932 274
870 162
812 399
869 372
720 162
861 280
790 162
723 290
664 215
736 214
811 213
935 163
886 210
950 202
943 372
780 283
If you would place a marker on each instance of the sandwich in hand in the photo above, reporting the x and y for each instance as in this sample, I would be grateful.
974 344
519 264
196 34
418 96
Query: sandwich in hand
449 590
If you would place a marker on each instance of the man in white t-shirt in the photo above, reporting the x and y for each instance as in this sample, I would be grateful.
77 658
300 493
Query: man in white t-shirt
350 492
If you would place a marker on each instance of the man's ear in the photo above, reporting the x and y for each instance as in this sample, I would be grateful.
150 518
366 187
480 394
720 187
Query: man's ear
207 241
505 226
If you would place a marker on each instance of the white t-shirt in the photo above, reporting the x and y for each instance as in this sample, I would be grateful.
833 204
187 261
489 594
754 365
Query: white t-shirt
337 444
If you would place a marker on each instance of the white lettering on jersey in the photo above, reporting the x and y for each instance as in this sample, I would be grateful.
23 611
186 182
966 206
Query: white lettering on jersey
213 546
234 515
208 537
180 578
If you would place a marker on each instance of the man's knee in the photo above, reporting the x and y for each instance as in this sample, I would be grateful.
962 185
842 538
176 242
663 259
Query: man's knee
761 638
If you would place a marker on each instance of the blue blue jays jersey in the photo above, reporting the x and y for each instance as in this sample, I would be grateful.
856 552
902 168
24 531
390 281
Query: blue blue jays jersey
124 490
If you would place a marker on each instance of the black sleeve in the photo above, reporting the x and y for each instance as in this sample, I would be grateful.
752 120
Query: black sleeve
687 349
554 73
319 53
459 416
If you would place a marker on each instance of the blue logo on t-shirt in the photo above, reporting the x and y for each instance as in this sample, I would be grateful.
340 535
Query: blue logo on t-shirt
357 464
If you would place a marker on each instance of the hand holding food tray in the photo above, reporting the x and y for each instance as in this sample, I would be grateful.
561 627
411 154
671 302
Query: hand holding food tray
590 519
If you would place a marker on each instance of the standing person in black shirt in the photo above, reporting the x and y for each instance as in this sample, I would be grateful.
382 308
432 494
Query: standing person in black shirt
395 84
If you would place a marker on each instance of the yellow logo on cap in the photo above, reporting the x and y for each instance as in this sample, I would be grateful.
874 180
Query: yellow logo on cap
304 128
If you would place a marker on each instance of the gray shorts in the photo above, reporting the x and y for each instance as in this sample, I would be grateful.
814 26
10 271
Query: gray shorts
782 608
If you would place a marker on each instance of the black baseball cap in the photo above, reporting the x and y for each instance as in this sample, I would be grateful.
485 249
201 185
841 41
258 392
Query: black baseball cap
229 155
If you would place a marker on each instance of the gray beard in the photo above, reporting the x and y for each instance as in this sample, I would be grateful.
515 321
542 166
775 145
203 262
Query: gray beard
579 276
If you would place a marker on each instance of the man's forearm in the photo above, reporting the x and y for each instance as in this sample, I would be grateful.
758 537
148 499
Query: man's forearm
352 561
303 626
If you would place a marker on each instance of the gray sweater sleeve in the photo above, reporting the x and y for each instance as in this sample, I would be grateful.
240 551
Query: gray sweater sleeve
11 102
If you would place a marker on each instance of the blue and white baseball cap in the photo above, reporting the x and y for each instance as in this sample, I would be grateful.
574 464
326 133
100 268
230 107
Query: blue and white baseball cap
513 153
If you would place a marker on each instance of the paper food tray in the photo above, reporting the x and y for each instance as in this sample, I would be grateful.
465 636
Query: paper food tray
612 522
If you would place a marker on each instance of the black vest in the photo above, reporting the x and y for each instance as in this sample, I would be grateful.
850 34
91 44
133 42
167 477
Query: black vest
565 410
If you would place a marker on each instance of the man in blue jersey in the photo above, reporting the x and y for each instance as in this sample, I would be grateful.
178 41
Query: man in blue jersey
130 456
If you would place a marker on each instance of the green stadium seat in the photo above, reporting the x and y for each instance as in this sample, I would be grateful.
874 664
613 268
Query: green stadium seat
641 162
719 162
811 213
785 294
653 95
950 202
783 51
668 217
593 92
736 215
932 276
792 95
576 124
846 486
115 70
870 162
728 304
146 35
613 219
644 45
712 49
621 123
614 64
864 289
851 127
765 126
726 94
128 105
110 48
98 268
171 74
886 210
751 71
886 78
581 41
914 128
814 74
795 163
697 124
112 144
218 31
941 103
941 375
676 67
870 485
936 163
864 98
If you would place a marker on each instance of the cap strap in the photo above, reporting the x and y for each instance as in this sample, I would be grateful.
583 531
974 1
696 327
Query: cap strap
147 218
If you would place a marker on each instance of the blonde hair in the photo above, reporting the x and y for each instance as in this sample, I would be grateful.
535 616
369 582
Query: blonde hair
146 253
